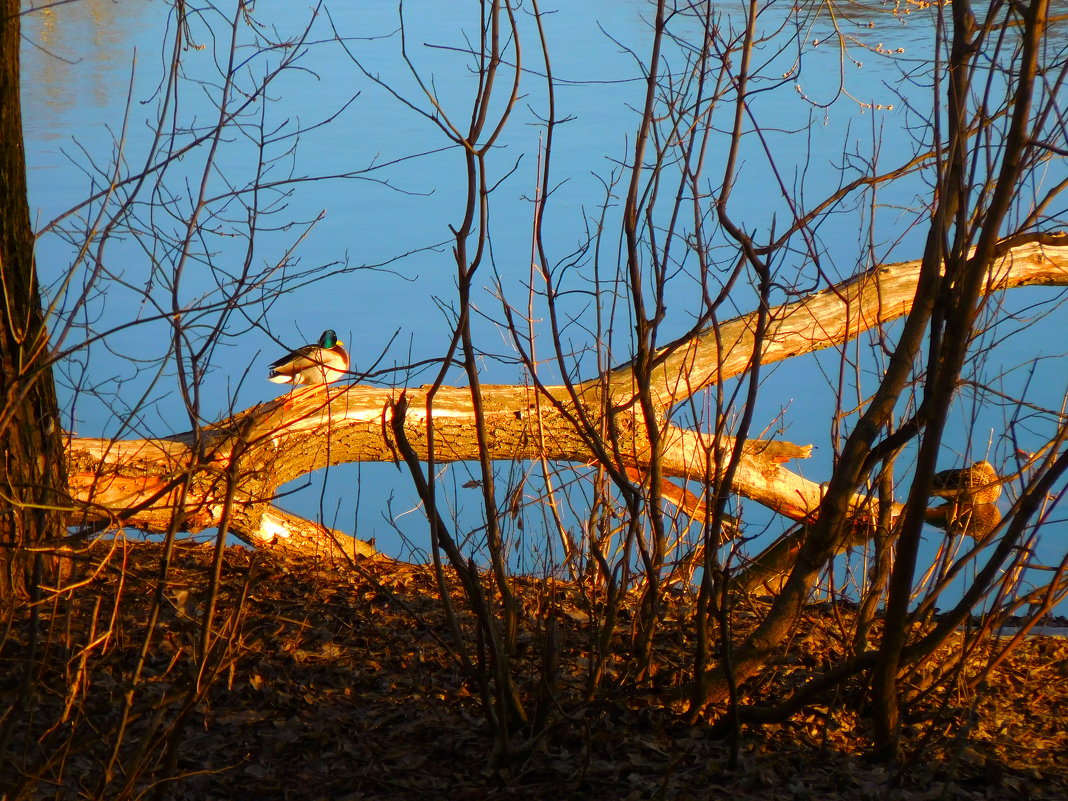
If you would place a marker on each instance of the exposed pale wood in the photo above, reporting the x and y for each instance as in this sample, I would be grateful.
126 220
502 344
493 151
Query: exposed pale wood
824 319
282 530
138 482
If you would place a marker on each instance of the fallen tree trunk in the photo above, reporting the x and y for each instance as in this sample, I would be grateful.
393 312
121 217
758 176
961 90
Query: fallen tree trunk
138 483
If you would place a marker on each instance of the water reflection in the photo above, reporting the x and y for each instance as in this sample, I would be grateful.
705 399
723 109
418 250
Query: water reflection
76 62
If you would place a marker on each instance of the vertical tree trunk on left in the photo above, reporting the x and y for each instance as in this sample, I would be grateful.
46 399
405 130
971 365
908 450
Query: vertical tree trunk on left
32 471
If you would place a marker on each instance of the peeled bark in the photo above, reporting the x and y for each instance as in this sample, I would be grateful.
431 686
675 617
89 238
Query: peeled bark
136 482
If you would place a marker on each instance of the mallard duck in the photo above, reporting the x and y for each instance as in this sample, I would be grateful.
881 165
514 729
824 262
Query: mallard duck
975 520
977 484
312 364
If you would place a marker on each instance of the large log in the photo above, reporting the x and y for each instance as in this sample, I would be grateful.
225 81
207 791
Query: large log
140 483
830 317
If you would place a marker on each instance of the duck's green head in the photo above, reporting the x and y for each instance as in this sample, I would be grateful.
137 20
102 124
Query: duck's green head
329 339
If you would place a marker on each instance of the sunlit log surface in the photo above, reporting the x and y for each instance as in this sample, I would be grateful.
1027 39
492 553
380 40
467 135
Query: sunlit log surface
243 460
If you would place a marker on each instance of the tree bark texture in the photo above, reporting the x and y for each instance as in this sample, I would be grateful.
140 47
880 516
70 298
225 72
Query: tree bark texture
136 482
32 479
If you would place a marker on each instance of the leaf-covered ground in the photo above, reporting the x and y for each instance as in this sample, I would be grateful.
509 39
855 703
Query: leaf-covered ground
325 683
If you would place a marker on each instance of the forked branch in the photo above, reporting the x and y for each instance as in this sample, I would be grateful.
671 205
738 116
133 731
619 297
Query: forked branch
135 482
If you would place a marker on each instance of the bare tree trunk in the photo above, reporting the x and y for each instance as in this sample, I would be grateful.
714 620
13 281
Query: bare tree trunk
32 473
958 308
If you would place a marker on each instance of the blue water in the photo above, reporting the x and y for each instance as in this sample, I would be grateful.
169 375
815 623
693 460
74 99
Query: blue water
369 254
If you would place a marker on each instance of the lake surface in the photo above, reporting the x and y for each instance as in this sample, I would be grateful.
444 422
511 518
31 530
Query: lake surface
93 74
